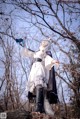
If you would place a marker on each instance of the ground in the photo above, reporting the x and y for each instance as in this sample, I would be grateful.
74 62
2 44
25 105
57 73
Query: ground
22 114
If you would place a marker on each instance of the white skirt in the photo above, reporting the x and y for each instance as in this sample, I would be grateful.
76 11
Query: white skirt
38 76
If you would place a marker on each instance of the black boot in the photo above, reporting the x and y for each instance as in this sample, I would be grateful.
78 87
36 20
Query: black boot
39 99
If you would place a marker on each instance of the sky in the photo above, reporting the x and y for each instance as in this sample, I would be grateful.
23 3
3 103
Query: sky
23 29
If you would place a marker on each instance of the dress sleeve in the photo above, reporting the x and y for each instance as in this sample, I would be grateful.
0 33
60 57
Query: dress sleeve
49 62
27 52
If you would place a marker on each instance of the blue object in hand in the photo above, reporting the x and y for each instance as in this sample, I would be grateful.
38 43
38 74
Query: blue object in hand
21 42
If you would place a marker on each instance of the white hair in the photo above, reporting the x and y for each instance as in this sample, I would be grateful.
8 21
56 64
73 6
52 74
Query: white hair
45 45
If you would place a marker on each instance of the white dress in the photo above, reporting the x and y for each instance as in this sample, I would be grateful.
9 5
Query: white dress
39 74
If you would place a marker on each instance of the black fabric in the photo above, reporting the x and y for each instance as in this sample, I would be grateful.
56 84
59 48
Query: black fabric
52 89
31 96
52 97
38 59
39 99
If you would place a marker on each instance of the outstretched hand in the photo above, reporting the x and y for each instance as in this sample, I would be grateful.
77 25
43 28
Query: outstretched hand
55 62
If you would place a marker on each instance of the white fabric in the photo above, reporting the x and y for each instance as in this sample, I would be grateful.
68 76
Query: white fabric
27 53
39 73
49 62
37 76
47 107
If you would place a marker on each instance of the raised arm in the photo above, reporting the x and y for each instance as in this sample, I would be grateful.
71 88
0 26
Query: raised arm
27 52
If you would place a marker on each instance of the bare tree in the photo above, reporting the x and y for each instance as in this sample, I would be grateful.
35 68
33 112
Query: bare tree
59 21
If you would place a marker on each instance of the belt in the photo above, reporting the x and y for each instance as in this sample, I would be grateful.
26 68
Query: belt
38 59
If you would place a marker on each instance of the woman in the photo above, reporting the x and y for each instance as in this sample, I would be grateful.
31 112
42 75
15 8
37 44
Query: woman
39 74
